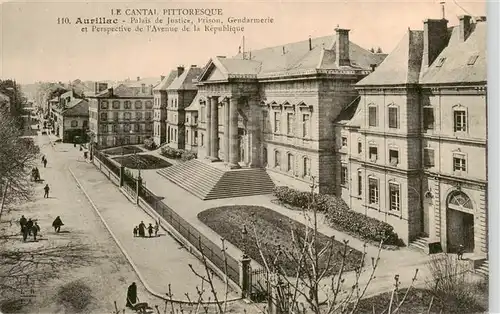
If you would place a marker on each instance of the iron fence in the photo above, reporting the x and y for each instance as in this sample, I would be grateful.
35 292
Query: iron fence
259 284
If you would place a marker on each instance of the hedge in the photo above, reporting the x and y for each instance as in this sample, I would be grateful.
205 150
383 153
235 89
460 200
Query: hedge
339 216
175 153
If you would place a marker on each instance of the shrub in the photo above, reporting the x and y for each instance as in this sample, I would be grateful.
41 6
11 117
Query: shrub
175 153
339 216
75 296
149 144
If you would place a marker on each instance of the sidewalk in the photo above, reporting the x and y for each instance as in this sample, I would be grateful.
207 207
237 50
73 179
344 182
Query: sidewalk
159 260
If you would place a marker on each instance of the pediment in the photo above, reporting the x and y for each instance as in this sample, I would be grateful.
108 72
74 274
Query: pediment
213 71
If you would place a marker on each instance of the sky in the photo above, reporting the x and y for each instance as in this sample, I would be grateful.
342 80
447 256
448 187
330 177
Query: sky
34 47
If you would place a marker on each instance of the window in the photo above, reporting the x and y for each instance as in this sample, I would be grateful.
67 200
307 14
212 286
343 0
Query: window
360 147
104 116
459 163
187 119
428 157
126 127
149 104
195 140
277 159
393 117
127 139
115 128
305 125
277 122
175 103
74 123
372 116
394 197
344 141
360 182
104 104
116 104
138 115
139 140
307 167
149 126
460 118
393 157
428 118
148 115
265 117
85 124
290 121
127 115
440 62
103 128
138 104
202 139
343 175
373 190
290 163
127 104
115 116
472 60
373 153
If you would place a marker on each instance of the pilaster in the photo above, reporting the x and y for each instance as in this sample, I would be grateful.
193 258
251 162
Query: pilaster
208 144
233 134
214 130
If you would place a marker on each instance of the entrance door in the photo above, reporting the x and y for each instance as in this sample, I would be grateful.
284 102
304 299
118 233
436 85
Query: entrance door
459 222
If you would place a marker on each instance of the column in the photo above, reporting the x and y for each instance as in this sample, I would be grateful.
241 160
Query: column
226 130
233 134
255 129
208 129
214 154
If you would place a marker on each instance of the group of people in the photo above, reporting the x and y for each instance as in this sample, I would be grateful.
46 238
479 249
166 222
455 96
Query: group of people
35 174
140 230
28 228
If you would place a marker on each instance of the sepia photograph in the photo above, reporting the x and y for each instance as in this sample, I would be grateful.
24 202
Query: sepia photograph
247 157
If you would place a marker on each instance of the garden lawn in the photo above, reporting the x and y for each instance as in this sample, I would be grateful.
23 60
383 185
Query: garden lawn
274 232
126 150
142 162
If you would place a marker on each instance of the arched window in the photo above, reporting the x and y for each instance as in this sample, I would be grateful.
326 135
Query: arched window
459 200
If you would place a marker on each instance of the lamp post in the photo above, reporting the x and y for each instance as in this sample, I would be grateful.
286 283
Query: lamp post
244 234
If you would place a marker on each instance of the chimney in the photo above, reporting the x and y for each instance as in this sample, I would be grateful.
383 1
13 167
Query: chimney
143 88
310 43
435 39
464 27
180 70
111 91
373 66
342 47
162 77
138 78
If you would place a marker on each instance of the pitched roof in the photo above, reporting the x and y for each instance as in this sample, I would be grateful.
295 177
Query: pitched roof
124 90
76 107
457 67
350 114
185 80
167 80
403 64
148 81
195 104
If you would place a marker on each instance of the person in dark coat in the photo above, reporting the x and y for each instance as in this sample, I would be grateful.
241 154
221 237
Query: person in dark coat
460 252
24 231
157 227
37 174
45 163
135 231
29 225
46 189
35 229
22 222
150 230
131 295
43 158
142 229
57 224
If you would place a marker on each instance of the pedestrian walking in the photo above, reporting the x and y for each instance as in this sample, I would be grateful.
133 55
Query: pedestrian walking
35 229
45 163
24 231
46 189
131 295
43 158
460 252
150 230
157 227
135 231
22 222
142 229
29 225
57 223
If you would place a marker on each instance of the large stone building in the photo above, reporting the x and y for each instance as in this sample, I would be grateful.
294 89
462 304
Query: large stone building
275 107
412 149
160 108
122 114
71 117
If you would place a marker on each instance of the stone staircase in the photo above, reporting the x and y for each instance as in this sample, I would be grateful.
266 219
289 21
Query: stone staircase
420 244
484 269
208 182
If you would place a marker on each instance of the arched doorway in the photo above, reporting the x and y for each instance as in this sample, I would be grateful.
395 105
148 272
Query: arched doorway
459 222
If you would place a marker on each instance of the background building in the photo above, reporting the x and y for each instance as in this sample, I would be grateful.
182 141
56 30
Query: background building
160 108
71 117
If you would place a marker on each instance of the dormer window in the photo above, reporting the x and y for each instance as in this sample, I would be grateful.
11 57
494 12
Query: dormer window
472 60
440 62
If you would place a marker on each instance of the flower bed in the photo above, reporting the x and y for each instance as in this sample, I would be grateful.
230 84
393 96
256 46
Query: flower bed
274 235
340 217
174 153
122 150
142 162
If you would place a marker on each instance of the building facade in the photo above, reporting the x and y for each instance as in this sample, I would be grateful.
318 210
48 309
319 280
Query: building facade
71 117
412 149
275 107
160 108
121 115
